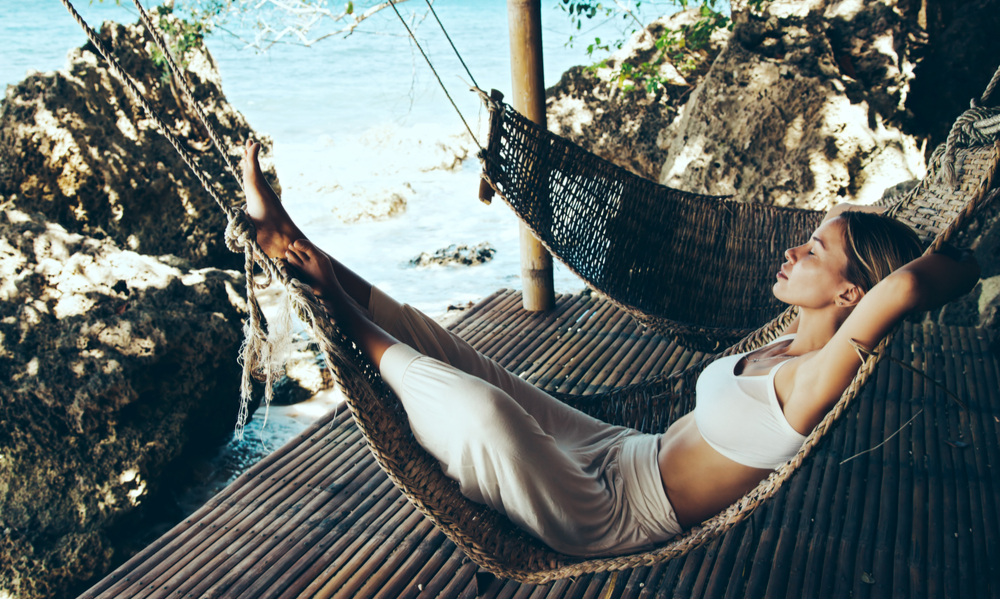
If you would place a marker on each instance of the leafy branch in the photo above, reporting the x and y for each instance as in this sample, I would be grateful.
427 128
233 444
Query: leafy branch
181 35
681 46
299 22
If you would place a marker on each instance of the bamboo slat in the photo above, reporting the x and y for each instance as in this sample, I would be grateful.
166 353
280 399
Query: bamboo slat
318 518
519 356
986 456
863 554
950 493
935 502
903 519
969 555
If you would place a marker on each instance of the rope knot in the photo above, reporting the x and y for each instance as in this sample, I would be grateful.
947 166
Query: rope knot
240 231
979 125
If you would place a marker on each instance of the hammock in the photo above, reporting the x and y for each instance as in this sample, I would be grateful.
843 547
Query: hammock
695 267
935 208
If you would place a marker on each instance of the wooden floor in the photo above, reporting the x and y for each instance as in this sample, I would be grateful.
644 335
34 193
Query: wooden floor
916 517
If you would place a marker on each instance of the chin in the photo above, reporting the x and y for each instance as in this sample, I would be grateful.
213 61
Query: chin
776 291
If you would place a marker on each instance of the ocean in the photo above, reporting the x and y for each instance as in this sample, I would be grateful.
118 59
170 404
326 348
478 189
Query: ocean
358 119
353 120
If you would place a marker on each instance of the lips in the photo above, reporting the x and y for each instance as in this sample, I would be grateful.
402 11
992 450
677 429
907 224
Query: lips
781 274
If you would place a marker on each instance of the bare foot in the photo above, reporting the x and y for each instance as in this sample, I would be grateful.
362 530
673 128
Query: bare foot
315 266
275 229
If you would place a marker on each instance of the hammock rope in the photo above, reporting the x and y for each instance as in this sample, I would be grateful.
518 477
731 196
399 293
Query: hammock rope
978 125
392 3
181 77
472 78
486 536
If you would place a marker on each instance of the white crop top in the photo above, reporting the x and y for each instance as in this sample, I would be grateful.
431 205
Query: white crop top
740 416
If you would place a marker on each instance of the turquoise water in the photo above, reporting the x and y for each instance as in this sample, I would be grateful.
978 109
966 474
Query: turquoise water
357 119
353 120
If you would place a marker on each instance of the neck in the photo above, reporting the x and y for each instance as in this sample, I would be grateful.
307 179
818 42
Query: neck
816 328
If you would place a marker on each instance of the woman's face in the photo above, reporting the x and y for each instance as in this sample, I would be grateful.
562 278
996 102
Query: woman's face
813 273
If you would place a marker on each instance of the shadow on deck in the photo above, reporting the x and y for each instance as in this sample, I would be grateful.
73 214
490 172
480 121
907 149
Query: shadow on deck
915 517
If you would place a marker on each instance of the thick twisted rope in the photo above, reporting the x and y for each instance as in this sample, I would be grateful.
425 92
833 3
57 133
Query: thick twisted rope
975 127
240 236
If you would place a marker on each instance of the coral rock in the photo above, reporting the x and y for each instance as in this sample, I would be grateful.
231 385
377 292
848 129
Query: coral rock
74 147
112 365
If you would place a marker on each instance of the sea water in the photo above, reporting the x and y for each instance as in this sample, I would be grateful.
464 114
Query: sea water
353 120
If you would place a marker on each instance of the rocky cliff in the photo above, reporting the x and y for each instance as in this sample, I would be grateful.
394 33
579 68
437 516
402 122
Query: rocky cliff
74 147
631 127
113 365
118 345
803 108
807 104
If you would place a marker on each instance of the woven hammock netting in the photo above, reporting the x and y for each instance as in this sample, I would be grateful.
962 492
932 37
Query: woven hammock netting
698 267
691 266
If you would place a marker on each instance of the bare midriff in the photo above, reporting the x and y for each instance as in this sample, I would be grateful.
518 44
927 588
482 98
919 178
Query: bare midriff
699 481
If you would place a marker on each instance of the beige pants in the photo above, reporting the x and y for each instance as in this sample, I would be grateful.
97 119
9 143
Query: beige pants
580 485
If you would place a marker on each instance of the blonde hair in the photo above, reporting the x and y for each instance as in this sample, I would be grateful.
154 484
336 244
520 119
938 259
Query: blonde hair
876 246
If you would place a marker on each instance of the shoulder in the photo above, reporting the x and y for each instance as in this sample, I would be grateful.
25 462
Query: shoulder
820 377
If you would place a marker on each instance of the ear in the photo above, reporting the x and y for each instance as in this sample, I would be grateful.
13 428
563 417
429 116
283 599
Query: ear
850 297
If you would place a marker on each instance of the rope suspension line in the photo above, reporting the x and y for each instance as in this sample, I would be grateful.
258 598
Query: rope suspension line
438 77
181 78
460 59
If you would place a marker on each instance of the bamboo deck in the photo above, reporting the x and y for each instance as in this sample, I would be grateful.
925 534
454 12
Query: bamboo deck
916 517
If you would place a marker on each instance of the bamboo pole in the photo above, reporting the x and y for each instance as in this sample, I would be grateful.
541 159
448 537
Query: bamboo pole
524 18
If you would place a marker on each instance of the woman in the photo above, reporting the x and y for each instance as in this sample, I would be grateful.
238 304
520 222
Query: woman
585 487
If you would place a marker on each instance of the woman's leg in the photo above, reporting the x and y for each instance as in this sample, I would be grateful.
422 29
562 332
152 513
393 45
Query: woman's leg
501 457
276 231
412 327
279 237
375 322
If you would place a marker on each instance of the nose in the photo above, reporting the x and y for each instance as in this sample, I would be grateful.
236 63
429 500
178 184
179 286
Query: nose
792 254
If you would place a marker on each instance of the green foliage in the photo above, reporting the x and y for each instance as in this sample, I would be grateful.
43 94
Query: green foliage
679 46
182 37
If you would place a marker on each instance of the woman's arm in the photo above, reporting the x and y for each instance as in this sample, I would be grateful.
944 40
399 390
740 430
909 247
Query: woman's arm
923 284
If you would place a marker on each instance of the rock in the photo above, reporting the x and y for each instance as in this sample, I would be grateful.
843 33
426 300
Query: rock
75 148
454 314
305 376
802 108
630 128
456 255
359 205
113 367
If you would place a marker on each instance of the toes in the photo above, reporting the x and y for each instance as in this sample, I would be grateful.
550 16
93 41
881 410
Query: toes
294 258
304 246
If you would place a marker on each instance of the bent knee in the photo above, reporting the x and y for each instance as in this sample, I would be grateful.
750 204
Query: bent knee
486 409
